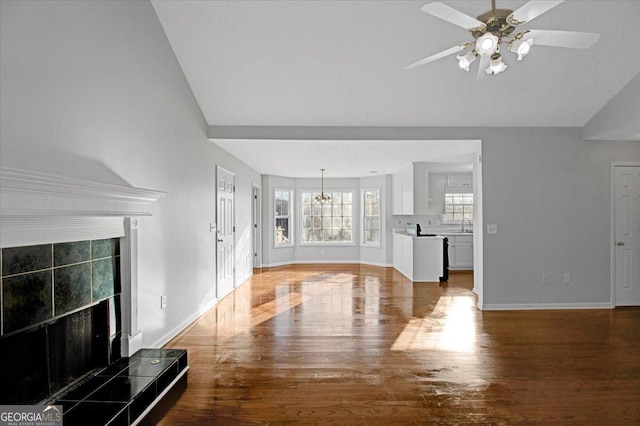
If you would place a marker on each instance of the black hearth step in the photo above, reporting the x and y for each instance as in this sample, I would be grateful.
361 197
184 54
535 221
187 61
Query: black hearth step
124 392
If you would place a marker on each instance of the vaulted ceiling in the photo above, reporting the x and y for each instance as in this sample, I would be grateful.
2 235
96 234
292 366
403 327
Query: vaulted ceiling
340 63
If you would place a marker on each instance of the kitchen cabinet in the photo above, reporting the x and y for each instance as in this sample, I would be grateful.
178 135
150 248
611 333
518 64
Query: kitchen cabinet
418 258
411 190
403 254
398 253
460 252
460 181
436 193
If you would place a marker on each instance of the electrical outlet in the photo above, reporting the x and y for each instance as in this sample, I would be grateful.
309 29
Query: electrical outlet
321 252
545 279
163 301
567 278
492 229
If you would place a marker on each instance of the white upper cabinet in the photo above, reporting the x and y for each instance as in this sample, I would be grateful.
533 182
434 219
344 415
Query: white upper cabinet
436 193
460 181
411 190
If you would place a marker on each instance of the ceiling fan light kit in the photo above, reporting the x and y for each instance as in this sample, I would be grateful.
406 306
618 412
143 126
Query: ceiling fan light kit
467 59
496 66
487 44
498 27
521 47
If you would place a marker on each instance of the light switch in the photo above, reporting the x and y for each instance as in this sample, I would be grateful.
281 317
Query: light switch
492 228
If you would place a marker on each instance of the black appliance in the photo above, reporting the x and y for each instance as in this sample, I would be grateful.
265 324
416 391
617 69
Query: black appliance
445 260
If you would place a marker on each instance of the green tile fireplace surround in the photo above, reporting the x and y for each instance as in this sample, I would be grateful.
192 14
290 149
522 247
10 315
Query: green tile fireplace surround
42 282
61 313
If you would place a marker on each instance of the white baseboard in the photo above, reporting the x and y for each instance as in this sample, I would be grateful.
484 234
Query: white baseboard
322 262
189 320
276 264
241 281
130 344
543 306
184 324
382 265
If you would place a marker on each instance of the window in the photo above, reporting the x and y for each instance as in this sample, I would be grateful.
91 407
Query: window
331 222
371 226
457 206
282 200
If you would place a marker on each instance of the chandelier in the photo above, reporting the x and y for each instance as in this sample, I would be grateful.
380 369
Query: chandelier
322 198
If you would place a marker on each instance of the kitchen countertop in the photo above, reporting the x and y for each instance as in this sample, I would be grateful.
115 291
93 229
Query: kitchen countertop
438 233
421 237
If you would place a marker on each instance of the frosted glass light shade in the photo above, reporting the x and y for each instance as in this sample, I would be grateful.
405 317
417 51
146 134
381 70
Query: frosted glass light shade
465 60
487 44
521 48
497 65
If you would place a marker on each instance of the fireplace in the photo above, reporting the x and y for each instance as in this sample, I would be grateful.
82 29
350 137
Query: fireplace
68 297
61 316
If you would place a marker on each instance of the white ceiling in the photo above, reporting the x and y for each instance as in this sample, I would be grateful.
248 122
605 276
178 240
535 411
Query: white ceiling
340 63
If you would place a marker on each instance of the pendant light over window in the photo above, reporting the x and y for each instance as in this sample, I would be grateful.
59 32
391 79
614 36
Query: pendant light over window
322 198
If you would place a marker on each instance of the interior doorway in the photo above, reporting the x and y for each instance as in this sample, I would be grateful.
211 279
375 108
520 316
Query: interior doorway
256 220
478 230
625 241
225 232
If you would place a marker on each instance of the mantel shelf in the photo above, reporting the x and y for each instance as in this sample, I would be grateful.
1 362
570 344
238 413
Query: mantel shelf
38 207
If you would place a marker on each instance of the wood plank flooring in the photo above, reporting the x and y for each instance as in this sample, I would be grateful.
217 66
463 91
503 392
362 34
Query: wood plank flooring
355 344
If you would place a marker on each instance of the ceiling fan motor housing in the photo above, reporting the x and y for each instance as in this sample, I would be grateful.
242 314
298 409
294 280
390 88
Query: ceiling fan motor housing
496 23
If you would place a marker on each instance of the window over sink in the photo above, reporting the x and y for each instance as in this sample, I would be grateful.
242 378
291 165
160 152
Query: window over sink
457 206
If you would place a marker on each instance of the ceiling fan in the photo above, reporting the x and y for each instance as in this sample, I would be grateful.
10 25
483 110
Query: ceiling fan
500 27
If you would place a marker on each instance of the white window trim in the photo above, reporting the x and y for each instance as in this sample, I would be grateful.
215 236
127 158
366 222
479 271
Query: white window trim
291 217
362 221
354 220
456 190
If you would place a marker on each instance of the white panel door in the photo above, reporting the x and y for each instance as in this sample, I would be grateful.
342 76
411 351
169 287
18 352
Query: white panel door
257 226
225 244
627 235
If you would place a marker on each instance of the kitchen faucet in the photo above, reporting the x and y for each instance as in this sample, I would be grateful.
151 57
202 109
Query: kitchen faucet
462 223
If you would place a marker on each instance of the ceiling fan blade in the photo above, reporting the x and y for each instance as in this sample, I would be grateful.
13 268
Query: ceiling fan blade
452 15
572 39
482 67
437 56
533 9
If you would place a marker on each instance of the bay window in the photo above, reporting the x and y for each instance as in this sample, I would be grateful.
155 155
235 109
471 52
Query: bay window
330 222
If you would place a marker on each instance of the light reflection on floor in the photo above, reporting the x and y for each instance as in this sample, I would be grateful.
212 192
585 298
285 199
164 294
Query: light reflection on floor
450 327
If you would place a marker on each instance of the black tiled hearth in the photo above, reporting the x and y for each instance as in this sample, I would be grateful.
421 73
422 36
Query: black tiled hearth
120 393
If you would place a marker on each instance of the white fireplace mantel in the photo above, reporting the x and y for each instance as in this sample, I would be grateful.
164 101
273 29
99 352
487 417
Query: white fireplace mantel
42 208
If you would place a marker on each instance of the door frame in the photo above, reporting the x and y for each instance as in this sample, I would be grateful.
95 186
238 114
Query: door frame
612 240
256 220
233 234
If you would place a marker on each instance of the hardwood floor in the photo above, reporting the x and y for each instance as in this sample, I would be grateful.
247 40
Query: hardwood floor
355 344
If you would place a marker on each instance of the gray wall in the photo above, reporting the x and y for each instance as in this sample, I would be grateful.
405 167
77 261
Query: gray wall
93 90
